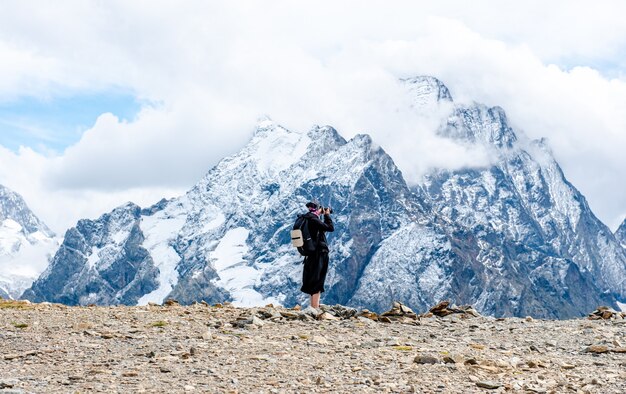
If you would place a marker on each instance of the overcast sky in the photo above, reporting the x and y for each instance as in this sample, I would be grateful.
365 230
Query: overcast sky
102 102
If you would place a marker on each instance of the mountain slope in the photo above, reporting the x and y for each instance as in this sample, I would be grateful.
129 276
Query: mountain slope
620 234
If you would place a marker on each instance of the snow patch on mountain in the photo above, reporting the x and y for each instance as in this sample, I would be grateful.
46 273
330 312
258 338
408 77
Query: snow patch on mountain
281 151
94 257
235 274
160 231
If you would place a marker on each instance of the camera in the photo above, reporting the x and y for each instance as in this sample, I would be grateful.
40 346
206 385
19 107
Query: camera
330 210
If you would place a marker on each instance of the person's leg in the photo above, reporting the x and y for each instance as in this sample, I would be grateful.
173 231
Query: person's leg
315 300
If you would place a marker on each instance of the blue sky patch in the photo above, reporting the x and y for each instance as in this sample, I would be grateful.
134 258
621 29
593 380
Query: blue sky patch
59 122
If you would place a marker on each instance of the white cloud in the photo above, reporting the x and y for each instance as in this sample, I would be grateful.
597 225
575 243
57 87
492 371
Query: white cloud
213 68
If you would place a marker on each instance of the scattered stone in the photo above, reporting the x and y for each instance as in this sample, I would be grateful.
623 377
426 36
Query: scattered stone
367 314
534 389
170 302
326 316
399 310
453 359
130 374
290 315
425 359
247 322
597 349
8 383
485 384
269 313
207 335
339 311
256 321
606 313
320 340
443 309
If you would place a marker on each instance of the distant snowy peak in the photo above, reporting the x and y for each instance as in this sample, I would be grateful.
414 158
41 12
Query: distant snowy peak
620 234
14 208
274 148
474 123
427 91
26 244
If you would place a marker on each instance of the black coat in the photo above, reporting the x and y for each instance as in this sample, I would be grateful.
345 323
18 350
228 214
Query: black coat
317 229
316 265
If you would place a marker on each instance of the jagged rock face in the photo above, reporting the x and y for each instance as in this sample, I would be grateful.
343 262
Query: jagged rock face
620 234
100 261
514 238
26 244
541 250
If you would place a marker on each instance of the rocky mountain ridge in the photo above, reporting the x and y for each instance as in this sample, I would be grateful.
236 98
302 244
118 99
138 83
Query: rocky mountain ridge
620 233
514 239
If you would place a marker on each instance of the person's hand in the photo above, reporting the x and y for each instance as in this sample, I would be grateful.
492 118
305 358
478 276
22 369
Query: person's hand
326 211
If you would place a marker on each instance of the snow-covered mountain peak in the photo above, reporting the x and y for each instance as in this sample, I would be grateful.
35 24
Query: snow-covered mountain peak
13 206
362 140
26 244
426 91
326 134
271 149
480 124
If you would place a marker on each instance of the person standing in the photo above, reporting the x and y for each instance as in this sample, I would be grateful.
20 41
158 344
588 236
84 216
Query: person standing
316 265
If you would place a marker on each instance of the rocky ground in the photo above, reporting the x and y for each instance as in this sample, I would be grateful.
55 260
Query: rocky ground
200 348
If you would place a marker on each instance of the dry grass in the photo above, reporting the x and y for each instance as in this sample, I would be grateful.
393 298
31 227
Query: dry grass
13 304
